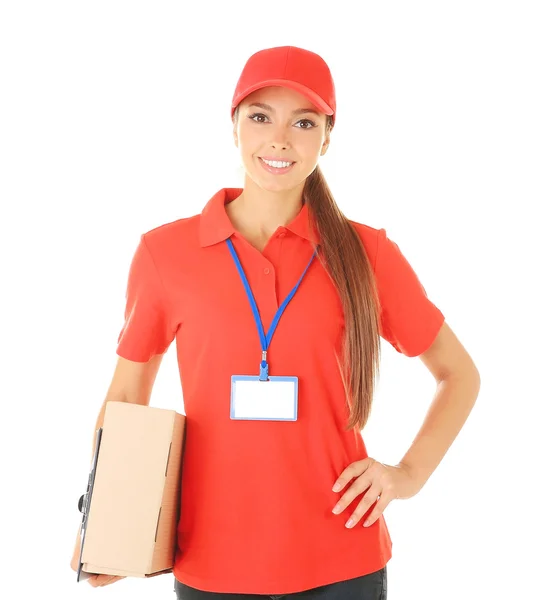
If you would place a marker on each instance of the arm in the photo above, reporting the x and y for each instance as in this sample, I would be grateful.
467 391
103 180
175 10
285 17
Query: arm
131 382
458 384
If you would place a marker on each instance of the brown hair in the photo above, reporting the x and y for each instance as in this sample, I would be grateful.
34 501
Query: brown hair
344 258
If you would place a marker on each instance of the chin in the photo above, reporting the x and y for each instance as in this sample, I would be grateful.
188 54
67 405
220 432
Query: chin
275 184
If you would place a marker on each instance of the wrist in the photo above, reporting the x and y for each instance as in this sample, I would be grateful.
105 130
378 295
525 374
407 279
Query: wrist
415 474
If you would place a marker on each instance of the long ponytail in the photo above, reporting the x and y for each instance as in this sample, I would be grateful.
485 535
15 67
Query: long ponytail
344 257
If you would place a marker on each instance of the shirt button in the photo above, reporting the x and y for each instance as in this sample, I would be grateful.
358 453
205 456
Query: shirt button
283 234
266 271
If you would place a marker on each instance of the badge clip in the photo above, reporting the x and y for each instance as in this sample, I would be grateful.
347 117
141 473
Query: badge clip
264 367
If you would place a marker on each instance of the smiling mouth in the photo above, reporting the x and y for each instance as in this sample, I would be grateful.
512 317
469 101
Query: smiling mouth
275 170
291 162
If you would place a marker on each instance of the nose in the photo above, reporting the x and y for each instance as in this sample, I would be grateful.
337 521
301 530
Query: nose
280 137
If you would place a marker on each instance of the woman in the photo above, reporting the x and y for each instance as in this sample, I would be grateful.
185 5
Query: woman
277 303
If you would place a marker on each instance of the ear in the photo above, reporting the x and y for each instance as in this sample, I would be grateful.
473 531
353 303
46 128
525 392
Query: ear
325 145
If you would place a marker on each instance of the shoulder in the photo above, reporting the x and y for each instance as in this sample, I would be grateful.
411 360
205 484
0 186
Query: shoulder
177 234
370 238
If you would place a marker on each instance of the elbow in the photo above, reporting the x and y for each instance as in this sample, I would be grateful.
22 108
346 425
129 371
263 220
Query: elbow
467 379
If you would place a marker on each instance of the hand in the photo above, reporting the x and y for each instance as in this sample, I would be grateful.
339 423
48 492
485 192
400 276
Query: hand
101 580
385 483
96 580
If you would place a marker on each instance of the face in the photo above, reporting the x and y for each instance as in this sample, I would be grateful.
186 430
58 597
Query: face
281 131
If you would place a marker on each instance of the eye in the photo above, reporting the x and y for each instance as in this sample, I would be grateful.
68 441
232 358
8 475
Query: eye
311 123
256 115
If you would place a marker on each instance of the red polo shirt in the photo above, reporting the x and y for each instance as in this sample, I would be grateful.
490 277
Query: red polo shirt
256 506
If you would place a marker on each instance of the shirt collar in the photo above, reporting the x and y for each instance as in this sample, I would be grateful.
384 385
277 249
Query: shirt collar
215 225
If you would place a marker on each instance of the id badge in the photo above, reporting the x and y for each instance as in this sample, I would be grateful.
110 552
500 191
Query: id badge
273 400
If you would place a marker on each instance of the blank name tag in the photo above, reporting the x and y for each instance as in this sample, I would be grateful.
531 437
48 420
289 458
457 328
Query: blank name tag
272 400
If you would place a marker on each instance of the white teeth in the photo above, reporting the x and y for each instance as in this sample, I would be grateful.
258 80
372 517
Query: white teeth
277 163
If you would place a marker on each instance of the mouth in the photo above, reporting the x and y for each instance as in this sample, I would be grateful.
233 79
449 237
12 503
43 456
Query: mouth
275 170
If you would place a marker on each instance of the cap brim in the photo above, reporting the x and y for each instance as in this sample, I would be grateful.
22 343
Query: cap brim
298 87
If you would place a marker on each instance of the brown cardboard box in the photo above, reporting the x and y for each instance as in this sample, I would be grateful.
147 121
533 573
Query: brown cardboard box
134 507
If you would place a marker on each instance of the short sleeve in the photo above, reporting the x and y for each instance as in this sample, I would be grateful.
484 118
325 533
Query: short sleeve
409 321
147 329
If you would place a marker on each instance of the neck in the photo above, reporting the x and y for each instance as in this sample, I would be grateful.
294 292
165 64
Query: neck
257 213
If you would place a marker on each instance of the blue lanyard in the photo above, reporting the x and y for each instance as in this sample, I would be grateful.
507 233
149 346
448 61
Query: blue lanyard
265 339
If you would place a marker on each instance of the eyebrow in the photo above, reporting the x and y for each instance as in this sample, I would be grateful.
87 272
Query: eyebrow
298 111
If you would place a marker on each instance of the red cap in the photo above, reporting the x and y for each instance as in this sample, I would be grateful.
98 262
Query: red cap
292 67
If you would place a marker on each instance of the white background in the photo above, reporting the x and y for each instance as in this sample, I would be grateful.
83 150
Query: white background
115 118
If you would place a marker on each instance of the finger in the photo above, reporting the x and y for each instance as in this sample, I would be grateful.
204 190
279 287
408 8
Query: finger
97 580
100 580
112 580
377 511
355 469
364 505
357 488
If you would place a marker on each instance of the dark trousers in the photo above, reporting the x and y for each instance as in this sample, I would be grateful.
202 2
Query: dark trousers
372 586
